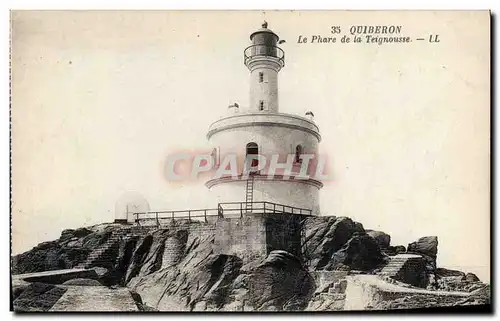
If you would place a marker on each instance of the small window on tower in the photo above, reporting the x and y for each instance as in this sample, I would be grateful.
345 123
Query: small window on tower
298 152
261 105
261 77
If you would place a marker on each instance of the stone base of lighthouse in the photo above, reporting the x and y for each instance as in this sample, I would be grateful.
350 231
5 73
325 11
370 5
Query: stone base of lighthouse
254 236
302 194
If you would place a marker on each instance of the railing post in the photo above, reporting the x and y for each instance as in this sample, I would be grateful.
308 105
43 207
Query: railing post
157 222
189 216
173 219
274 207
206 221
241 209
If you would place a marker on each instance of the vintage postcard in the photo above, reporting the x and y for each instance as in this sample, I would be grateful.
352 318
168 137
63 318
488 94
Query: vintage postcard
250 161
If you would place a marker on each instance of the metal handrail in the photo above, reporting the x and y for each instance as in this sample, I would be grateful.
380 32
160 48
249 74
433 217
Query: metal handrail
156 215
265 208
222 209
264 51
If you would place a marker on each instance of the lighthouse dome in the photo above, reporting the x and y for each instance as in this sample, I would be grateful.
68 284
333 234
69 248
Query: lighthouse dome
265 35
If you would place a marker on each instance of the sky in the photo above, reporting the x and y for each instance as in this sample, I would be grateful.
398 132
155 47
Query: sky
100 99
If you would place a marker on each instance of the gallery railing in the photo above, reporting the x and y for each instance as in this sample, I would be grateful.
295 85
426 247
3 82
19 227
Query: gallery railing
223 209
241 208
180 214
264 51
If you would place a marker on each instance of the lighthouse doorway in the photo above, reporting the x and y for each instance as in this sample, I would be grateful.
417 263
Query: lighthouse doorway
252 161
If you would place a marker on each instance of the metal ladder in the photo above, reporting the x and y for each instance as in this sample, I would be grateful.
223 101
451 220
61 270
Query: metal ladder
249 195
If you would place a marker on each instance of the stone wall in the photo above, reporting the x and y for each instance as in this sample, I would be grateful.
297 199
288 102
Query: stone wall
283 233
256 235
174 247
180 233
244 237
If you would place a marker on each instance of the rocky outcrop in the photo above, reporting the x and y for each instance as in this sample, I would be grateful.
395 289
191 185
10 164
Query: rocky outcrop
198 284
185 278
452 280
383 240
71 233
178 268
479 296
279 283
199 280
407 268
339 243
394 250
414 299
426 245
361 252
324 237
37 297
71 249
471 277
448 273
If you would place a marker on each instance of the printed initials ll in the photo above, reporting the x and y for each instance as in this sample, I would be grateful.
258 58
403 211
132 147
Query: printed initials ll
436 38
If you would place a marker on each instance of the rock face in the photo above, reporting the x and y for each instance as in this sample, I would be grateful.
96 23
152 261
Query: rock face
395 250
361 252
280 282
453 280
383 240
203 281
408 268
426 245
37 297
447 273
67 252
337 243
471 277
178 268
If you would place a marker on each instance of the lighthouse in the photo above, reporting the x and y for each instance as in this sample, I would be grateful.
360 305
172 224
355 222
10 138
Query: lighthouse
270 138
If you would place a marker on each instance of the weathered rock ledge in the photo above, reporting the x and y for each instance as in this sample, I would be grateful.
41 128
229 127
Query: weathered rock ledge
248 264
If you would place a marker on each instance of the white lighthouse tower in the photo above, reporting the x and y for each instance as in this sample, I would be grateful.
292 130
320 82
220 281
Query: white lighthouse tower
261 129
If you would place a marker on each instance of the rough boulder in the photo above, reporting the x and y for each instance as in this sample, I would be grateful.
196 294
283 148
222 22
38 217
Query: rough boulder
383 240
426 245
